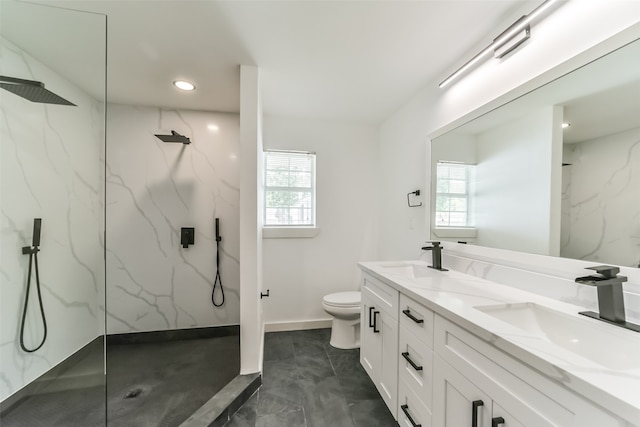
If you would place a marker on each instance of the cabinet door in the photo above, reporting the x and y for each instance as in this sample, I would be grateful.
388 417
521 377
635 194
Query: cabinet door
454 397
509 420
388 347
369 345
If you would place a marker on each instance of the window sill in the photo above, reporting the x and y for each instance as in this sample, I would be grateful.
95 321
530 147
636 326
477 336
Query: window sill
455 232
289 232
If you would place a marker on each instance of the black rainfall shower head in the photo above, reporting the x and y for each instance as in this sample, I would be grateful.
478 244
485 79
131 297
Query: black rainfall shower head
174 137
32 90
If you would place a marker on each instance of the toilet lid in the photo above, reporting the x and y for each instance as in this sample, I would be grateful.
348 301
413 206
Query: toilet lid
343 299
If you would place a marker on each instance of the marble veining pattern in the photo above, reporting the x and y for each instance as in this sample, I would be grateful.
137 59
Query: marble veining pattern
601 201
558 288
50 156
154 189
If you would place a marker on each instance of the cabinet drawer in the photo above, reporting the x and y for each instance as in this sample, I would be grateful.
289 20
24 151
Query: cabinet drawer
409 405
418 378
487 367
530 397
417 319
383 296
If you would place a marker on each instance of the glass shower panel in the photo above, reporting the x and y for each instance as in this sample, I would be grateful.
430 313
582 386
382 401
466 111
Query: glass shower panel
52 279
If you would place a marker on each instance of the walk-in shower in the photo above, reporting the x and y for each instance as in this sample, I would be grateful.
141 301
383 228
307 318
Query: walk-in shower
52 221
114 325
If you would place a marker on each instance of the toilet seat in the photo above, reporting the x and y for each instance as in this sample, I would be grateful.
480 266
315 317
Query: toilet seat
342 299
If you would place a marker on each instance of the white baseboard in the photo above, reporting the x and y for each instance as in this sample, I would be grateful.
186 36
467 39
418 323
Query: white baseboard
297 326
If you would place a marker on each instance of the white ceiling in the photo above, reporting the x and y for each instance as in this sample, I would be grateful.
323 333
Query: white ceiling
340 60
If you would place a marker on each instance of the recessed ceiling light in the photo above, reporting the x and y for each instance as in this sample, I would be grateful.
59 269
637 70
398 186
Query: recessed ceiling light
213 127
565 125
184 85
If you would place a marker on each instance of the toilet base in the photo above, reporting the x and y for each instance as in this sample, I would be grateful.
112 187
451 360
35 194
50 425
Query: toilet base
345 334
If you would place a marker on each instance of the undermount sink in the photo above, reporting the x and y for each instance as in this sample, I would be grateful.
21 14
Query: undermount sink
574 334
412 271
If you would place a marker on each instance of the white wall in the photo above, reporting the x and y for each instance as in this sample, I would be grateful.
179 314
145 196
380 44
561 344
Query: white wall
51 159
513 184
154 189
251 323
300 271
558 40
601 192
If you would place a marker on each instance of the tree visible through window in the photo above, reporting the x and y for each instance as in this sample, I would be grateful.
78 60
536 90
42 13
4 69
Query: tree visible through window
453 195
289 189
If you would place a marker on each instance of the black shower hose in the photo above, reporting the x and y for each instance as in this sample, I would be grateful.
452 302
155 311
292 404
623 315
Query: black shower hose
33 258
218 279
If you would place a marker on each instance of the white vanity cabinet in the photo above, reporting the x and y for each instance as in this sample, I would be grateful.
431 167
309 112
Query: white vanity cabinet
415 363
506 392
434 366
379 338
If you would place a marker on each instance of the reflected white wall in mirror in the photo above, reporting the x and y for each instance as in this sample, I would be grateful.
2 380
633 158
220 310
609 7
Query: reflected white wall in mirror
524 199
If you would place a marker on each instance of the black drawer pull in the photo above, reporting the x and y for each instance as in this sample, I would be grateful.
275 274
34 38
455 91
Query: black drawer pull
407 312
405 409
371 317
495 422
474 412
375 322
411 362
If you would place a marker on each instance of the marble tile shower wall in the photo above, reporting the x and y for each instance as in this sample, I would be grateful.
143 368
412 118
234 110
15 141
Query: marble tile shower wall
51 157
154 189
600 200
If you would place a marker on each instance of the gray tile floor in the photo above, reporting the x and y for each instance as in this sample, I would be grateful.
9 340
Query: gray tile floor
170 380
306 382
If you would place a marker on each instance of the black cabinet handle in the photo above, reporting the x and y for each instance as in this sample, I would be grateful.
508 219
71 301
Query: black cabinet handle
495 422
371 317
411 362
405 409
375 322
407 312
474 412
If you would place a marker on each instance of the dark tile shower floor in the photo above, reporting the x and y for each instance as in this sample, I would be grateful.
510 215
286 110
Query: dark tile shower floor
150 384
308 383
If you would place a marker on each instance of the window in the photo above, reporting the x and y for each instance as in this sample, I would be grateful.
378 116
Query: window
453 195
289 196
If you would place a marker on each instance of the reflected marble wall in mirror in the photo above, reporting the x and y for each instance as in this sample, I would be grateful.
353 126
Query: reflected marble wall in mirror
535 184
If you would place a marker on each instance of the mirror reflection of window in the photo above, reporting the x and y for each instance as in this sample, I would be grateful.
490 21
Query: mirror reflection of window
454 194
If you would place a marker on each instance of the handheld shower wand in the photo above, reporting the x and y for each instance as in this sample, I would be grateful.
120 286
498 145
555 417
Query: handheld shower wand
218 279
32 251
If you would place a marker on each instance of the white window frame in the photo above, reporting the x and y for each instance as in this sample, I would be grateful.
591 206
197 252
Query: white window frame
290 230
467 195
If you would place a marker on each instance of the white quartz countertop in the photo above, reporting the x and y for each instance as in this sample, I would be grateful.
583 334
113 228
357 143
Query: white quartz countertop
608 373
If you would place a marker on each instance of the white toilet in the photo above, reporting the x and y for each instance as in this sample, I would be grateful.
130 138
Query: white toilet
345 309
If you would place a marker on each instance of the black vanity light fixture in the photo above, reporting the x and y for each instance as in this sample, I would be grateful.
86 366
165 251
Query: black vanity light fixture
505 43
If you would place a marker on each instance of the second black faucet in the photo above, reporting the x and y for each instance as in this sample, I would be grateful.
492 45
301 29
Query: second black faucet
436 252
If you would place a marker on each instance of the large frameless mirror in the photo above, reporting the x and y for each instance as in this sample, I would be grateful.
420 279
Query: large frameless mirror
555 172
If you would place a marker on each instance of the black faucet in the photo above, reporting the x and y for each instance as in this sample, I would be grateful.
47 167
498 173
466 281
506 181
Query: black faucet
610 298
436 251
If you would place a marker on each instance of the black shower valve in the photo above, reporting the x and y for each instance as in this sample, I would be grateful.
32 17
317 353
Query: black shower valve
187 236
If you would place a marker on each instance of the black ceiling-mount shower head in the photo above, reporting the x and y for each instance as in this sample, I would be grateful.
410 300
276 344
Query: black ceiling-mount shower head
32 90
174 137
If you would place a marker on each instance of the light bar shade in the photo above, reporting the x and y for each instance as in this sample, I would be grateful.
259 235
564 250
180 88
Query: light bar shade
508 37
